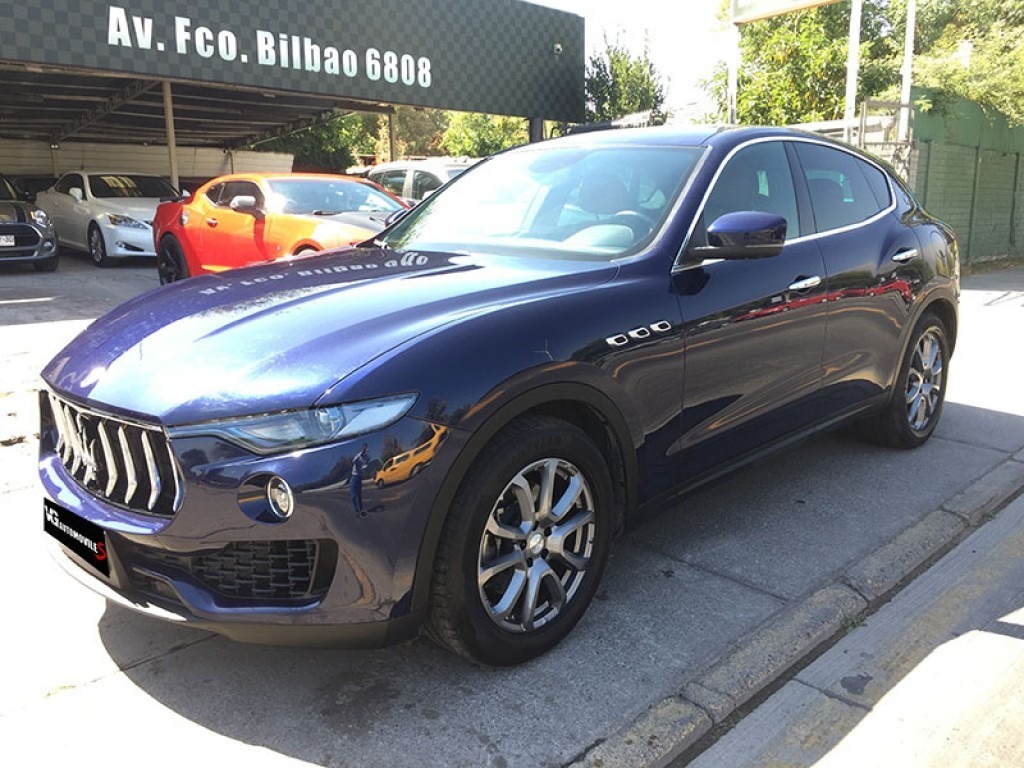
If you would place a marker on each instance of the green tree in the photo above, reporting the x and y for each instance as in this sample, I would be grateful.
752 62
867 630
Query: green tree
618 84
793 67
330 146
476 135
975 50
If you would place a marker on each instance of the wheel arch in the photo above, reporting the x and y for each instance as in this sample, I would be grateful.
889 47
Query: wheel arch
583 406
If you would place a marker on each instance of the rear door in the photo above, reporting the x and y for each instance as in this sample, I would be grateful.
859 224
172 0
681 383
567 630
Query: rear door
754 328
871 258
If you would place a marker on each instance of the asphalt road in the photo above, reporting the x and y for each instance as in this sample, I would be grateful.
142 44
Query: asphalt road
700 609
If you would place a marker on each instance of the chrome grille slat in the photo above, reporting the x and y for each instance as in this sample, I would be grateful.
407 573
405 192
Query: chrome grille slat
129 466
108 457
154 476
126 463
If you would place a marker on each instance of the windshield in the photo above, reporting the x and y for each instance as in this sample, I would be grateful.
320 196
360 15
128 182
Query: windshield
599 202
7 190
327 196
129 185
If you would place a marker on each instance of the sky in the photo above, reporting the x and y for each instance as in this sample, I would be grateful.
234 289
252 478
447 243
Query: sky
684 37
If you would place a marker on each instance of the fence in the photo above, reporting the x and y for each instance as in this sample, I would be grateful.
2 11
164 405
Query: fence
966 168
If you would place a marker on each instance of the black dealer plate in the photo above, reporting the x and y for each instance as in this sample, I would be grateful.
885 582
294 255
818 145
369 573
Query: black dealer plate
85 539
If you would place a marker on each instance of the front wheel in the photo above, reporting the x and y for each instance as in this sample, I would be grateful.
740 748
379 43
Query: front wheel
97 247
170 261
525 543
913 413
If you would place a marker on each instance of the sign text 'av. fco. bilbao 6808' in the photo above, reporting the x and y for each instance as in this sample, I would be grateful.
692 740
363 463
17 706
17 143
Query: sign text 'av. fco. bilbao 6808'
505 58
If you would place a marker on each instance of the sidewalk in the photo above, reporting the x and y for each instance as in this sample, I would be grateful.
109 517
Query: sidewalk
932 679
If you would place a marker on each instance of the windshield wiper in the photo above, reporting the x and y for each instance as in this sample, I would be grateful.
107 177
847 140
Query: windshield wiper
326 213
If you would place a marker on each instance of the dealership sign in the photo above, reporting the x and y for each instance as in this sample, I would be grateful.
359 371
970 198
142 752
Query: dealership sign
507 57
753 10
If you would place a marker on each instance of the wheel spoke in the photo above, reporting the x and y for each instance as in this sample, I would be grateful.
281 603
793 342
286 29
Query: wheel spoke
503 530
514 559
547 490
504 608
556 542
539 573
520 486
569 498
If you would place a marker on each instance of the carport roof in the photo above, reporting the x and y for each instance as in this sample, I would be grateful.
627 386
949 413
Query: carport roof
55 104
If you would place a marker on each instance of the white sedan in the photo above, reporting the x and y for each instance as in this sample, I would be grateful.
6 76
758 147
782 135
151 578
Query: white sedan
110 215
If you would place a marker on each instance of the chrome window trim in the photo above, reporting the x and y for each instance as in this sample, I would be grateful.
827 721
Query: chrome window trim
678 264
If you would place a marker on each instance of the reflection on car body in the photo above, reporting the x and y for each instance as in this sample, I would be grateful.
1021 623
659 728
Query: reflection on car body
410 463
241 219
573 332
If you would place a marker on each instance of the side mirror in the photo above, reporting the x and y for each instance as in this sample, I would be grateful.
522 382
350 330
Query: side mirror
395 216
744 235
244 203
76 193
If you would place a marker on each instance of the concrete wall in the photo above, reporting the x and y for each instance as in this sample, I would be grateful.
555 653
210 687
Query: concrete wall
36 158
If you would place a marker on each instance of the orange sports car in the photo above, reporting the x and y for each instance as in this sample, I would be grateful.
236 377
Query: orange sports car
241 219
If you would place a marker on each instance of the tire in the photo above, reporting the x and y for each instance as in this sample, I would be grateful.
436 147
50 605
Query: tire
97 247
920 391
511 580
170 261
47 265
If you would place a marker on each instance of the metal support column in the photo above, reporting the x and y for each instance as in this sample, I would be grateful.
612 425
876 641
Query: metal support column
392 139
907 70
852 69
536 129
172 143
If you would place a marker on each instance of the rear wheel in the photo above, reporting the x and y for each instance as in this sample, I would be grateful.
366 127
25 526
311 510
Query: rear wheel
97 247
170 261
524 545
913 413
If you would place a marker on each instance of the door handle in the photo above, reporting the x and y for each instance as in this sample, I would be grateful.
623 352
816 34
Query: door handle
211 222
805 283
904 255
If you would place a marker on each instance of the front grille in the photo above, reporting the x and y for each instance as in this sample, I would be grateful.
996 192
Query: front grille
126 463
26 239
253 570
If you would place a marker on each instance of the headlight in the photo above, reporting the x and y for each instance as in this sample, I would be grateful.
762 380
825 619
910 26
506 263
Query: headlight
290 430
40 218
124 221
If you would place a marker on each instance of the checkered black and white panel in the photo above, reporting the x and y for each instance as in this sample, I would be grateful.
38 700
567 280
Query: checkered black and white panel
497 56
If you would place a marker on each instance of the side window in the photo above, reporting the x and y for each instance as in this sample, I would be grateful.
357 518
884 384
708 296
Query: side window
213 193
392 181
424 183
233 189
757 178
838 182
69 181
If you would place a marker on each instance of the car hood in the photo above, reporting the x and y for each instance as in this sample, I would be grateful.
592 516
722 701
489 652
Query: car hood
278 336
372 222
141 208
13 210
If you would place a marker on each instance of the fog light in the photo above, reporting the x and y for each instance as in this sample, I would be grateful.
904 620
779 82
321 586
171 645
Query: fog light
279 494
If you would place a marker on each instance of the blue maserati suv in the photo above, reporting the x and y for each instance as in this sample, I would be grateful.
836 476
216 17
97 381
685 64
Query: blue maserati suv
443 429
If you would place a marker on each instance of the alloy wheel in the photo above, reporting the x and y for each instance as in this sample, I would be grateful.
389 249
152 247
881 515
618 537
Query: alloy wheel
536 546
924 381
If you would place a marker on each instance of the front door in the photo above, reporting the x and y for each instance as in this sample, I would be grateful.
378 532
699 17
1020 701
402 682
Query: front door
753 328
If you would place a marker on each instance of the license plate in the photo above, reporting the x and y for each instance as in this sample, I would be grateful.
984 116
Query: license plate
7 241
85 539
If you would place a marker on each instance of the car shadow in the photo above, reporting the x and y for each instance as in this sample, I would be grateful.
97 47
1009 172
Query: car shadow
679 591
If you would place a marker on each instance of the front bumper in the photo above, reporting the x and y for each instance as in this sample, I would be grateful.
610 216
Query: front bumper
333 573
124 241
31 243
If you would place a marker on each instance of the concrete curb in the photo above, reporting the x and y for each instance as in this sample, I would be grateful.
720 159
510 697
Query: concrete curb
669 728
